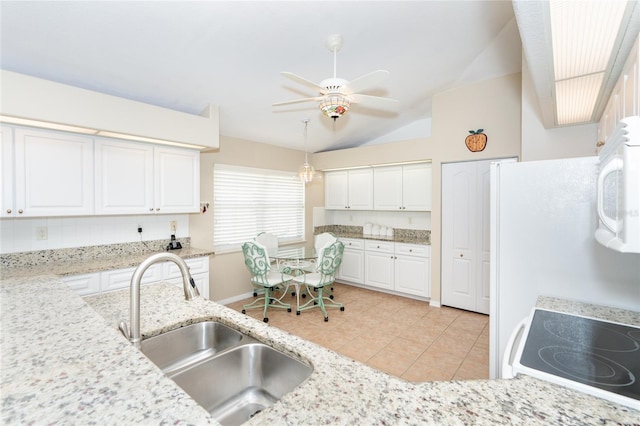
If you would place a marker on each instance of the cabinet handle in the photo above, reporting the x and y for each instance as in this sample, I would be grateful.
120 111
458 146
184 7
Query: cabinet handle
9 211
410 250
157 209
20 211
461 255
151 209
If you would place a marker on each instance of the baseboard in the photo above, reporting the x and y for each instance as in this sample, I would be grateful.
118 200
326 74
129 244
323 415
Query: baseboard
235 298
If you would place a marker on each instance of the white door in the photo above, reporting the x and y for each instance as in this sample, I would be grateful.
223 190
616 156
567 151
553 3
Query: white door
416 187
352 266
466 235
387 187
412 275
458 235
379 269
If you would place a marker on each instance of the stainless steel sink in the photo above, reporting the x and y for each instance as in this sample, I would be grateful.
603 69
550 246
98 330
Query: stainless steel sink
183 347
243 381
230 374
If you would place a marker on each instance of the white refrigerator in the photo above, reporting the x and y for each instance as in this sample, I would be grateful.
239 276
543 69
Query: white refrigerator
543 221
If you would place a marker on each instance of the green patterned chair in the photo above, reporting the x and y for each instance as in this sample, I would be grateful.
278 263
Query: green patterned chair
329 260
257 262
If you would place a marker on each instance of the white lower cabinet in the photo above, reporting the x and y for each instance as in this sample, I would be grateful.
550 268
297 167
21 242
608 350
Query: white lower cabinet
352 266
379 264
106 281
393 267
84 284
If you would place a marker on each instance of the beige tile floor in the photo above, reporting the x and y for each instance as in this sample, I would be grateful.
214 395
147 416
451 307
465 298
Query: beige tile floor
400 336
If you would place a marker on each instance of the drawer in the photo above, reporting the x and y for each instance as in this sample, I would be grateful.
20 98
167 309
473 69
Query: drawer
197 265
380 246
121 278
85 284
413 250
352 243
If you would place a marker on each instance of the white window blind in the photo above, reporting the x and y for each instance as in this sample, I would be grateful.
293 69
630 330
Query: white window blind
247 201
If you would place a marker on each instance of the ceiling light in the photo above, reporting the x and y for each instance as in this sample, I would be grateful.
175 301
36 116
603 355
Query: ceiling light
306 171
335 105
583 37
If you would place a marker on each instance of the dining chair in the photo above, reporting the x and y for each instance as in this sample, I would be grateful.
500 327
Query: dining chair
262 277
270 242
329 260
321 241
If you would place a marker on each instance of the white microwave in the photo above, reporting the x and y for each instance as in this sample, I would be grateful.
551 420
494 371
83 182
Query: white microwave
618 198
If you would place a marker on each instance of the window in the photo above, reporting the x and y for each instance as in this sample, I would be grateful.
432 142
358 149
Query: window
247 201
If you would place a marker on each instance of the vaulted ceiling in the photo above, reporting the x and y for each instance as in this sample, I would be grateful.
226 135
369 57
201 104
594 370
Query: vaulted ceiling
184 55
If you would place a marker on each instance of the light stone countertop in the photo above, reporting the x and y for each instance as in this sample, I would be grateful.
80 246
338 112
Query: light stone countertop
64 362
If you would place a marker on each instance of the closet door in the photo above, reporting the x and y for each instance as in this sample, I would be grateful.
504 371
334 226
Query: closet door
466 234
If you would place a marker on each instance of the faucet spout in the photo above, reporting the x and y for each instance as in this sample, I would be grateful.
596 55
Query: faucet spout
188 284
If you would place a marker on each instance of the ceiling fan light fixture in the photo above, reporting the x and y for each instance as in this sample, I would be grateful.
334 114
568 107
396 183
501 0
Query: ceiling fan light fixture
335 105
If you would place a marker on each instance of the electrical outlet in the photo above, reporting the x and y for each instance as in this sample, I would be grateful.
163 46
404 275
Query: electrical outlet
174 226
42 233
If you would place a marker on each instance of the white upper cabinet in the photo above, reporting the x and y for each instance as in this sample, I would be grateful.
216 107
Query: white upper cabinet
406 187
177 180
137 178
6 172
349 189
53 174
124 177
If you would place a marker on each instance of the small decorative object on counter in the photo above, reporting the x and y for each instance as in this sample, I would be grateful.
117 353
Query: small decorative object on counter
476 141
375 230
390 232
366 229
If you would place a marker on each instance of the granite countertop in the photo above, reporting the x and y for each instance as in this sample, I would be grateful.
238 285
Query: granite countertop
64 362
394 239
68 267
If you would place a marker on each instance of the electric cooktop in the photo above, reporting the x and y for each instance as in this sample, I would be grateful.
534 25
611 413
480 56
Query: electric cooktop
595 356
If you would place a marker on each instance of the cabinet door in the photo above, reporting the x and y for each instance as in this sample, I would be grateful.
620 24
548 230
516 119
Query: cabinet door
84 285
387 188
352 267
177 182
379 271
6 172
416 187
335 190
121 278
124 177
54 174
412 275
360 189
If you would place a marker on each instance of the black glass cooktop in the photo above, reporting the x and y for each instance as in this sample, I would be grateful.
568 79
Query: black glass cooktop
585 350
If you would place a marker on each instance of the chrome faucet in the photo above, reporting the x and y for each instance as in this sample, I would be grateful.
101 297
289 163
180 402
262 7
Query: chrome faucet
190 292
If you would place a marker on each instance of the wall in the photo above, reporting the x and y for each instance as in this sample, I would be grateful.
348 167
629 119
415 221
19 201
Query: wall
229 279
539 143
18 235
493 105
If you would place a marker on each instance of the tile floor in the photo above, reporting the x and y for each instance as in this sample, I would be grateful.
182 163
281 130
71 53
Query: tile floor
400 336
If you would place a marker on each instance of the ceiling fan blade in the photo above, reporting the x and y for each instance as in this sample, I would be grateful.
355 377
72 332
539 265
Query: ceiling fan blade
373 100
304 82
364 82
298 101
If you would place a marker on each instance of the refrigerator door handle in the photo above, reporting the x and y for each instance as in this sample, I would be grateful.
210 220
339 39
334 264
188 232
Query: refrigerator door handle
507 359
611 166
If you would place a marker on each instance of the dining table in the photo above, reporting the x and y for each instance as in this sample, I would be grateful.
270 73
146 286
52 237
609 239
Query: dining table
299 259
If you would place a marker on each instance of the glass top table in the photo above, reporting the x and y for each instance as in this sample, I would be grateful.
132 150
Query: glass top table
295 253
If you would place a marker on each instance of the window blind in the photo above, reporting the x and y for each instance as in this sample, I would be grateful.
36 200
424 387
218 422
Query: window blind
247 201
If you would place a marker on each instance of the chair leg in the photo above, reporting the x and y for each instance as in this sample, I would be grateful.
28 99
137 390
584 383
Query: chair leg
268 300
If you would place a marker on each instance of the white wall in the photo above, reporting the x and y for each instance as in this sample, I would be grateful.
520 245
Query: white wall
397 220
18 235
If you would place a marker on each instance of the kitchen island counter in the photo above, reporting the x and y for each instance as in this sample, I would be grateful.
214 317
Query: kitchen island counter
64 362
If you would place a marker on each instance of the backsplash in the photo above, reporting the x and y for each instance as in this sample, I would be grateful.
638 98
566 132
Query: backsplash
79 254
399 234
20 234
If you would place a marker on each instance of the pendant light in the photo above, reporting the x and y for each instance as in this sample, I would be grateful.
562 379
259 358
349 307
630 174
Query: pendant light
306 171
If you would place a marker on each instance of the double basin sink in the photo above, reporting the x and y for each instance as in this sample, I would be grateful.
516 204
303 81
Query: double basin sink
230 374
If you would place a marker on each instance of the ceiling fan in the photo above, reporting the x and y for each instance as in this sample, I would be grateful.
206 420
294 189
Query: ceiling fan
337 94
